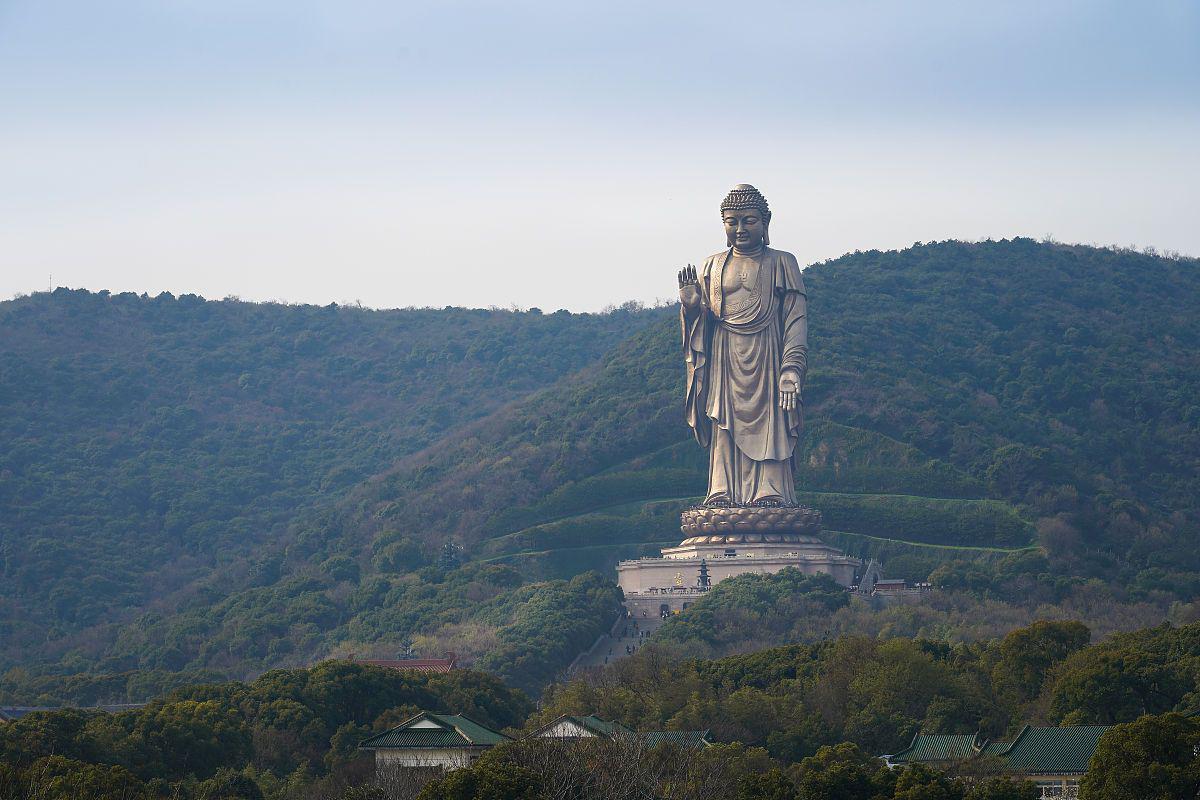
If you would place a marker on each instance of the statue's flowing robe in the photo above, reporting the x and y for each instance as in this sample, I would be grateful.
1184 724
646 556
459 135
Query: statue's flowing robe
735 354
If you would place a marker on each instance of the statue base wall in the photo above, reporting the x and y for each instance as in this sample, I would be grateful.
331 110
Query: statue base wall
730 541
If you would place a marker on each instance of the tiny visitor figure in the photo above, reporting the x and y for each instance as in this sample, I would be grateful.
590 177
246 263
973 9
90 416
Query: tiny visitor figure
745 341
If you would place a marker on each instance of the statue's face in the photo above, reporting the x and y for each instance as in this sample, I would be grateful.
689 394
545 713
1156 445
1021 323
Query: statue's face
744 228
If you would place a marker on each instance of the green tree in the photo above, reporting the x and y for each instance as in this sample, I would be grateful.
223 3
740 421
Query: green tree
773 785
919 782
1149 671
1027 654
61 733
341 568
228 784
1015 469
962 576
842 772
888 698
799 739
394 552
58 778
175 739
343 745
1151 758
486 779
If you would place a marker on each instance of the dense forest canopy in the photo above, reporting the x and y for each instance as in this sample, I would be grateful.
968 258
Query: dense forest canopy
153 444
801 722
189 485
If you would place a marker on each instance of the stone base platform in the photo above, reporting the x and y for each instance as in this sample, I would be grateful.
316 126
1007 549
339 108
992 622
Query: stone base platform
723 541
678 570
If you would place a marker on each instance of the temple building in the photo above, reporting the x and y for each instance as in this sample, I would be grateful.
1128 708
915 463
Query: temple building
1056 759
452 741
449 741
588 727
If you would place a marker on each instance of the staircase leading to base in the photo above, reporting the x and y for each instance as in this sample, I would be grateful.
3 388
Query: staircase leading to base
631 631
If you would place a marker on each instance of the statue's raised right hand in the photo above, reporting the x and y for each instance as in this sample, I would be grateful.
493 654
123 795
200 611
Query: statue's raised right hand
689 287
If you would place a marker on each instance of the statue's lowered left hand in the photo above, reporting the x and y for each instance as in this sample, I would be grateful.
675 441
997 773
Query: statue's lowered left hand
789 389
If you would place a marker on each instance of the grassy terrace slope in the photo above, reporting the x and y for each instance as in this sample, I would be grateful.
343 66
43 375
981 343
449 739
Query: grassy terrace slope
958 394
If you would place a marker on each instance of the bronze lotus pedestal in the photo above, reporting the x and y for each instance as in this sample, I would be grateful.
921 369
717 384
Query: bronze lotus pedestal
745 524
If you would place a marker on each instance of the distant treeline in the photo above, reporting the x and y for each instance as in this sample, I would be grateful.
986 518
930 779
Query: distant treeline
800 722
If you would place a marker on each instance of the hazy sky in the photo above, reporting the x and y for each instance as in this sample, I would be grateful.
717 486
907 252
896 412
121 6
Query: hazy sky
570 155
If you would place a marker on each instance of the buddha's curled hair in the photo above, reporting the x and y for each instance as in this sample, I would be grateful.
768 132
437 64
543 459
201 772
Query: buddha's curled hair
744 197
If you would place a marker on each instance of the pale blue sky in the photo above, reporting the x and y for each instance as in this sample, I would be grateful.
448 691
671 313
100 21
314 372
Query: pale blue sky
569 154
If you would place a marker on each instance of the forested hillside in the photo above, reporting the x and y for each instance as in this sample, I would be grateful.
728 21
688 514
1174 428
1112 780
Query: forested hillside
305 482
164 451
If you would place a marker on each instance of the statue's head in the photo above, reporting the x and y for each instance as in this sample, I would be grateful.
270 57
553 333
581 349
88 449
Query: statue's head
746 216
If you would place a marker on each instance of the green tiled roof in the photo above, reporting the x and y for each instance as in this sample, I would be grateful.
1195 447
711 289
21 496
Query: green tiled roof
599 726
417 737
1035 751
683 739
472 730
993 749
1053 751
930 748
452 731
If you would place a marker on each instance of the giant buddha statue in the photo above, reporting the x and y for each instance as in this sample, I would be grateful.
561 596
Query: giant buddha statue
745 342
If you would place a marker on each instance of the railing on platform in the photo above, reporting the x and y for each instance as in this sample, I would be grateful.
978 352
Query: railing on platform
676 590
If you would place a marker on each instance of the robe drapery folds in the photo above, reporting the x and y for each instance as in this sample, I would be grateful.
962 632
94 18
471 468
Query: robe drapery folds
735 355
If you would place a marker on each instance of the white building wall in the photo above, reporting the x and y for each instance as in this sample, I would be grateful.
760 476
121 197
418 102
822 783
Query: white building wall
448 757
637 577
565 730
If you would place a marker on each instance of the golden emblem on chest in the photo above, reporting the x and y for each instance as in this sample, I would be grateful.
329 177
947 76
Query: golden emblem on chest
744 275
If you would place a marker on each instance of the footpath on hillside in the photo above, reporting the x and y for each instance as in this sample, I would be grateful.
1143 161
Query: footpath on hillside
624 638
